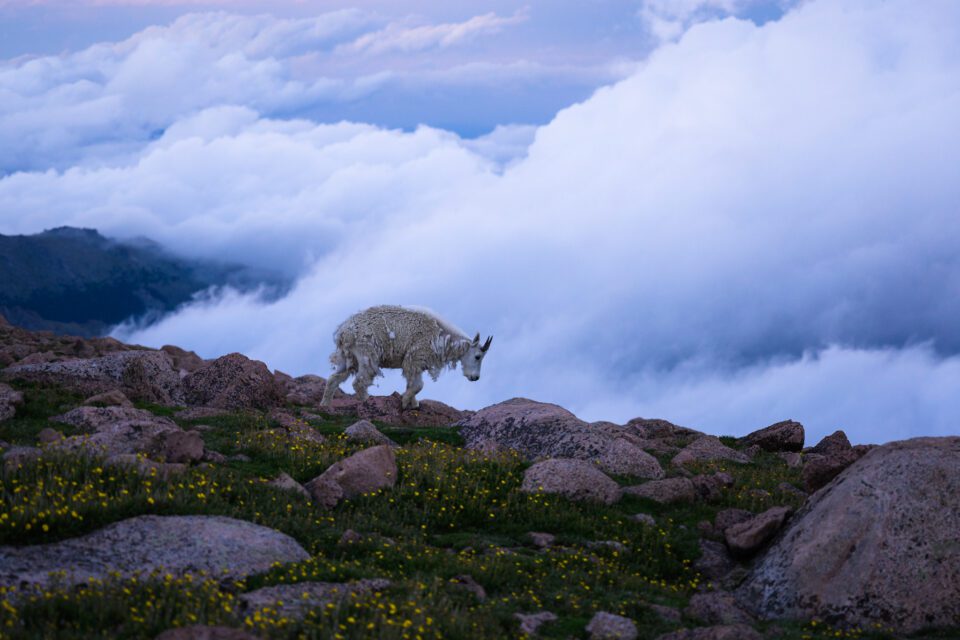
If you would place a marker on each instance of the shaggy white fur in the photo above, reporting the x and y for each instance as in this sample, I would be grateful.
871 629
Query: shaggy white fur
413 339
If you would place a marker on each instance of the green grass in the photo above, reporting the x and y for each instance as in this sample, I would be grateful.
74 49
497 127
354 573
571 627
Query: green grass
452 512
41 402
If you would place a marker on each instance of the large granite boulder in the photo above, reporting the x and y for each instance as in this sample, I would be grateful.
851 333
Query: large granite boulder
666 491
226 548
142 375
782 436
574 479
879 544
233 382
540 430
745 538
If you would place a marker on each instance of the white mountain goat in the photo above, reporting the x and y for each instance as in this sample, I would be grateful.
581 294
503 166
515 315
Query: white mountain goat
408 338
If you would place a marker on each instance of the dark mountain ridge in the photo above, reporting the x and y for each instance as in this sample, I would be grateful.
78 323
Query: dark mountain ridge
77 281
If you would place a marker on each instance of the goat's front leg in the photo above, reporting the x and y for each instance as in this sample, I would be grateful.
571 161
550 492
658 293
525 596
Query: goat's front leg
414 385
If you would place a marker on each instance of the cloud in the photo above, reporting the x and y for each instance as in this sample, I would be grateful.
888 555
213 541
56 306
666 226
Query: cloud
667 20
399 38
104 104
758 223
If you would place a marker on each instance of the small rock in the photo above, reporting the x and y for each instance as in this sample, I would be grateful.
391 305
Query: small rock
349 537
145 466
17 456
183 361
786 487
667 614
48 436
324 491
364 472
719 632
707 448
607 544
746 538
531 622
607 626
204 632
181 446
717 607
820 469
9 401
239 457
365 432
112 398
729 517
213 456
836 442
542 540
295 600
286 483
710 487
200 413
714 562
668 491
782 436
467 582
792 458
576 480
644 519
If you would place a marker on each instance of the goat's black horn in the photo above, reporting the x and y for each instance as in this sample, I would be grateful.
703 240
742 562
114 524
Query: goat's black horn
486 345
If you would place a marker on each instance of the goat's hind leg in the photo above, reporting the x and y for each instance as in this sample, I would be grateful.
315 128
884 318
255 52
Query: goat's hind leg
366 372
341 373
414 385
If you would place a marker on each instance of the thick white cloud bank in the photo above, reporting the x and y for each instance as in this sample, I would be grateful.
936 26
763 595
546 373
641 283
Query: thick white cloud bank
759 223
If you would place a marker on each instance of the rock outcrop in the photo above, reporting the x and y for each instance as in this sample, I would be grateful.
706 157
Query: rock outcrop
111 431
223 547
667 491
879 544
574 479
540 430
142 375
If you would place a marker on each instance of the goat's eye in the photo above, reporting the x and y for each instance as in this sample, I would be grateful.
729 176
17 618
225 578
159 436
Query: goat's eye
478 357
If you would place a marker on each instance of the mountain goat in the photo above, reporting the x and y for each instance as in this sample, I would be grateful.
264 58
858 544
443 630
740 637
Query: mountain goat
408 338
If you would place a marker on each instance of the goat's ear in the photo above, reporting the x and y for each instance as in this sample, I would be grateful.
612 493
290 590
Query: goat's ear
476 339
486 345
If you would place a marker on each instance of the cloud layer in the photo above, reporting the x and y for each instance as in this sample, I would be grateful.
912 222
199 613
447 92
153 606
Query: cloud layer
758 223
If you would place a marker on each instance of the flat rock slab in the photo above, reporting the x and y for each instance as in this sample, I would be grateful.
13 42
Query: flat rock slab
141 375
879 544
225 548
295 600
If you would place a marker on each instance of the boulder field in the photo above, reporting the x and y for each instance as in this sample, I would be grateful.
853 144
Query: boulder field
861 536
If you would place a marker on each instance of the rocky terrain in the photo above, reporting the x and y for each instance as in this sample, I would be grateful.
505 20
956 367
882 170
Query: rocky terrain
153 494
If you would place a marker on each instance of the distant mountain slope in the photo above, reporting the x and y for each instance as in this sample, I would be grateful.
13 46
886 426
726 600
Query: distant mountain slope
76 281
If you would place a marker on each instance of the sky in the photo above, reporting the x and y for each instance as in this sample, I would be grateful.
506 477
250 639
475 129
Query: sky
724 213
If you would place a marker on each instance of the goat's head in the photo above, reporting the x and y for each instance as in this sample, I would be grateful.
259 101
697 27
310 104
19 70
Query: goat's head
473 358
